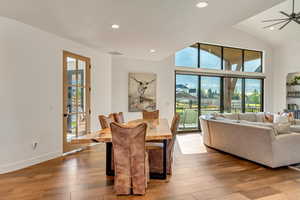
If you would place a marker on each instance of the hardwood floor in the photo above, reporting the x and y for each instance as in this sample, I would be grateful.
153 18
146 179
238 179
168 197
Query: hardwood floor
206 176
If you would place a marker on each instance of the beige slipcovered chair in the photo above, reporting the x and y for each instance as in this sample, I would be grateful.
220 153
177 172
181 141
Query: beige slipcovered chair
119 117
131 160
150 115
105 121
155 151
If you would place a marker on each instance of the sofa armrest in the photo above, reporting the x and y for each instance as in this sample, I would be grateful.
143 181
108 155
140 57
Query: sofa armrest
286 149
297 121
288 139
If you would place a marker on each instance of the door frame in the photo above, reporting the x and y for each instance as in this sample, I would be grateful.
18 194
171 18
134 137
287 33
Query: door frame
66 145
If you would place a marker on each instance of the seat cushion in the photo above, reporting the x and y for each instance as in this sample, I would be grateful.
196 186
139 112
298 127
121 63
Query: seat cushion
231 116
260 117
269 125
295 128
281 123
251 117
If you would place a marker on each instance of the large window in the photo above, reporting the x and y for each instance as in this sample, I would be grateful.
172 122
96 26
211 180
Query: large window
218 91
232 59
216 57
187 57
253 61
210 56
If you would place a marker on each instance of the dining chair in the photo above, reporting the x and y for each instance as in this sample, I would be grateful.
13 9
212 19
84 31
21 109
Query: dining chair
150 114
131 159
119 117
155 150
105 121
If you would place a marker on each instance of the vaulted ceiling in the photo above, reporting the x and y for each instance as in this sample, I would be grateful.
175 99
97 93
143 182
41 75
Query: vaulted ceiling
289 35
163 25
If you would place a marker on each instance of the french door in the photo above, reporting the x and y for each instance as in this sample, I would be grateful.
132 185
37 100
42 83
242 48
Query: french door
76 99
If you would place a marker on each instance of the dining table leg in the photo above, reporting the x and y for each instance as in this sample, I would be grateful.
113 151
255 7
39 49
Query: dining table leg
162 175
109 170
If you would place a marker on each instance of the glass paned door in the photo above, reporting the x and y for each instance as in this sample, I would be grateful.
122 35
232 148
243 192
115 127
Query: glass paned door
210 95
76 92
187 101
233 95
253 95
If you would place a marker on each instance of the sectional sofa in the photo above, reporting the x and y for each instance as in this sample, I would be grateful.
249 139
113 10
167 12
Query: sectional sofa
249 136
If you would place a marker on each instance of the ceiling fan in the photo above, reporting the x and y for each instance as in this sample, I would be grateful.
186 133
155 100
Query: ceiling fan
284 21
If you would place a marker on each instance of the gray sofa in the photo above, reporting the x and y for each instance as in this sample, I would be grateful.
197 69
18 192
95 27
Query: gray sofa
249 136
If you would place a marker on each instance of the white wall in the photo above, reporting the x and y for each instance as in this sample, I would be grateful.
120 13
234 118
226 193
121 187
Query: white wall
164 69
31 92
121 66
287 60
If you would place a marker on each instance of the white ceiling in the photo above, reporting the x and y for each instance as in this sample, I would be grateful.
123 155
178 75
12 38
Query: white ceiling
290 34
164 25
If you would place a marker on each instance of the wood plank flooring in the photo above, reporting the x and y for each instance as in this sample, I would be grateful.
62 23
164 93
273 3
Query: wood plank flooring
208 176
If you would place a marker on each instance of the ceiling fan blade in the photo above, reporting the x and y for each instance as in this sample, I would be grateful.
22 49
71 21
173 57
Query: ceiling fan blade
275 24
293 6
284 13
285 24
274 20
295 20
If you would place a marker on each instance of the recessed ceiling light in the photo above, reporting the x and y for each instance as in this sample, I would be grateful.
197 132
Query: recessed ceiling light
202 4
272 28
152 50
115 26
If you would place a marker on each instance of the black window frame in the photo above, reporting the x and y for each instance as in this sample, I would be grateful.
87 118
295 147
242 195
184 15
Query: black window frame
222 82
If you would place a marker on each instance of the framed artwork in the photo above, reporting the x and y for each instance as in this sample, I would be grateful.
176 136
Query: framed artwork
141 91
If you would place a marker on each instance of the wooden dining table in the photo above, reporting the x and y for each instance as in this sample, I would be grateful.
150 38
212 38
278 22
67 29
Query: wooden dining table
157 130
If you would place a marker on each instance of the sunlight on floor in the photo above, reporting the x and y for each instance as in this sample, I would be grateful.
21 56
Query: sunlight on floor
191 144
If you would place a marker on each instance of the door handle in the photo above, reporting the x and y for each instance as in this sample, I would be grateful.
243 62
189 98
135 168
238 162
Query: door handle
65 115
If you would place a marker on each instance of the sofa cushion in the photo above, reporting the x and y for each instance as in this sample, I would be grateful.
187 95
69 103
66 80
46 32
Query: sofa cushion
269 125
281 123
231 116
260 117
251 117
295 128
226 120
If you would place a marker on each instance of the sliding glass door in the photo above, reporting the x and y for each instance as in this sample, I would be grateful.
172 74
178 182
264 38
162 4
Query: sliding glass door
192 102
210 95
199 95
233 95
187 101
253 95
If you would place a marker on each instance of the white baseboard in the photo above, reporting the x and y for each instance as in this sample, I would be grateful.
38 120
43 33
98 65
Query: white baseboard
26 163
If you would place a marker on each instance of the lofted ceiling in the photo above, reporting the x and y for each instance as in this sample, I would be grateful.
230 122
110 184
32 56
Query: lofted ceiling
290 34
163 25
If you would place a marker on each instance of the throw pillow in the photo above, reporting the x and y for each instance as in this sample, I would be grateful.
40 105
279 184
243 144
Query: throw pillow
281 123
291 118
269 118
